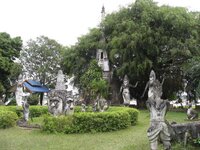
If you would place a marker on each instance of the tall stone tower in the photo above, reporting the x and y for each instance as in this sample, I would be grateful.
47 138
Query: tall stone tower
101 54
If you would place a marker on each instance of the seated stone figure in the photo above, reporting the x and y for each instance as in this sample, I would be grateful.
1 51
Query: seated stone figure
191 113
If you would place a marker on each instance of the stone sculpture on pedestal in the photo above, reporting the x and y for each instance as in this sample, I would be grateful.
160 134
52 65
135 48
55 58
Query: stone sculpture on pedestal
158 107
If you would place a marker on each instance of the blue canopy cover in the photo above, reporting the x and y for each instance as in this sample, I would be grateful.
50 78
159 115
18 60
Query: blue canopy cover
35 86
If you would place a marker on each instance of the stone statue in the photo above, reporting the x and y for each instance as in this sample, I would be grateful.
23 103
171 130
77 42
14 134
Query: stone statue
60 84
83 107
125 90
19 91
69 107
55 104
57 96
191 113
61 101
25 107
158 107
100 105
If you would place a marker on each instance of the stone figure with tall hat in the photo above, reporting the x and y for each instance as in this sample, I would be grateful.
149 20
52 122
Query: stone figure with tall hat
158 108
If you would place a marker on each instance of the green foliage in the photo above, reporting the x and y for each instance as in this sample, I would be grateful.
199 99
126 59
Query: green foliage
196 142
61 124
35 111
82 122
92 81
145 36
42 58
134 113
9 49
7 119
33 99
192 71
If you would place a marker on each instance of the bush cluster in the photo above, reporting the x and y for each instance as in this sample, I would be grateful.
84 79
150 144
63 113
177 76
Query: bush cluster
82 122
35 111
7 119
33 99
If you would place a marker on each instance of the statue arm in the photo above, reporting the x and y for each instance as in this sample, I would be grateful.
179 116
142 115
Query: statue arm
145 89
134 85
121 88
163 80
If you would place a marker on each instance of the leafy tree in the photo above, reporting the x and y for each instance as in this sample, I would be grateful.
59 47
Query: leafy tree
76 58
41 59
139 38
92 82
9 50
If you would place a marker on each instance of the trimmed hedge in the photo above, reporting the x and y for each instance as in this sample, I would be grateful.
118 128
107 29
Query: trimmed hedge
115 118
7 119
35 111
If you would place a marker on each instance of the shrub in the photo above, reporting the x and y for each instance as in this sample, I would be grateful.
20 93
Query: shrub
60 124
7 119
132 112
33 99
35 111
196 142
82 122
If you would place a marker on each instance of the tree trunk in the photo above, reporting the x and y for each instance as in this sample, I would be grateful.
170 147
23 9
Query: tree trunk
41 98
115 94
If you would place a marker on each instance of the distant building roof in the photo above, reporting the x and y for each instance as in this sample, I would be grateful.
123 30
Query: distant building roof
35 86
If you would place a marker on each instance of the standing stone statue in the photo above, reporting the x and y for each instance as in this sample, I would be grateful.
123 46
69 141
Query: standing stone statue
125 90
158 107
25 107
19 91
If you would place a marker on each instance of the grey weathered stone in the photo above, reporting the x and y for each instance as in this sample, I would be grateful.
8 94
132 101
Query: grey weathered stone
60 100
100 105
181 132
191 113
25 107
125 91
158 108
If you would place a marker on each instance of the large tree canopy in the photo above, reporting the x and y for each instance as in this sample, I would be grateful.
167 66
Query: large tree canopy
139 38
9 50
41 59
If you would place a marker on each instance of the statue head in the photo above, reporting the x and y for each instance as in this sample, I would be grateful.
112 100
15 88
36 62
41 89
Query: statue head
152 76
126 80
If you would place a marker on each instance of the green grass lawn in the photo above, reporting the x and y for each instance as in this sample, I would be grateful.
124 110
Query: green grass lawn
133 138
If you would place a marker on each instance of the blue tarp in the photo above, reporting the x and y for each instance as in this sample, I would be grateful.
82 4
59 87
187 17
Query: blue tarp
35 86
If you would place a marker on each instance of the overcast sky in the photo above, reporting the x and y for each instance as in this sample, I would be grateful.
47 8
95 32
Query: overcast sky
63 20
